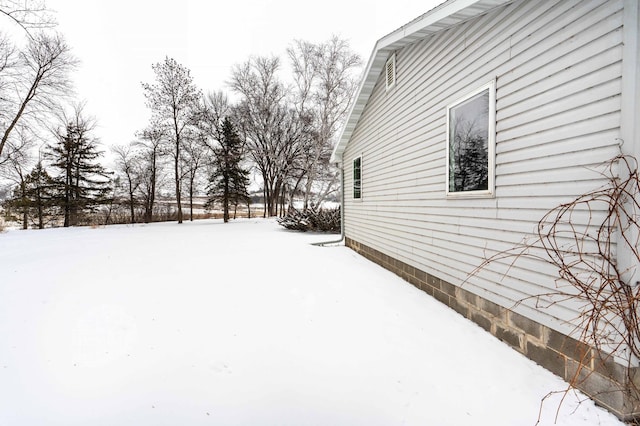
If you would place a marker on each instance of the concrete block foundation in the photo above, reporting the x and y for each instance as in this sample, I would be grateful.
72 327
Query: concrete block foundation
606 382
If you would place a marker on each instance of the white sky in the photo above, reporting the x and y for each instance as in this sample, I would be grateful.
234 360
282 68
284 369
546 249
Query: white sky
117 41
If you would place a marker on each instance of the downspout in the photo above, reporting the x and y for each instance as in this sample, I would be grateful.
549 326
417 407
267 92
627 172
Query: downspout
326 243
629 127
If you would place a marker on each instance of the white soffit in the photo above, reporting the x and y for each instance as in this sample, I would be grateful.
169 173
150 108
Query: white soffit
446 15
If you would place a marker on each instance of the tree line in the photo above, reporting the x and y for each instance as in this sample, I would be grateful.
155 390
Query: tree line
279 131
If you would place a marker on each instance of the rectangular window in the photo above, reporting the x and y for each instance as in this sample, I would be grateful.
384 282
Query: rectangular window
357 178
471 143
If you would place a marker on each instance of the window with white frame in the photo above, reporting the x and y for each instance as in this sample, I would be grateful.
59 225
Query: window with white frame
357 178
471 143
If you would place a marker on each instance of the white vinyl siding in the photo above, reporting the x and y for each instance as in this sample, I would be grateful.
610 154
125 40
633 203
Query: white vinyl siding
557 70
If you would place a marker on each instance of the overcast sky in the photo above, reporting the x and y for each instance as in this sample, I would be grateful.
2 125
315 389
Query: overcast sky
117 41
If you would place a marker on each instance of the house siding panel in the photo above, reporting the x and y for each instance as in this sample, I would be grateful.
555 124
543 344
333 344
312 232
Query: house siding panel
557 67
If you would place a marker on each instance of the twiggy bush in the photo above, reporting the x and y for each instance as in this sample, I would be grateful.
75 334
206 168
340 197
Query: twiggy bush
322 220
581 240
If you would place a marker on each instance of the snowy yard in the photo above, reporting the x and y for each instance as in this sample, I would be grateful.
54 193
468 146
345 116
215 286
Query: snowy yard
243 324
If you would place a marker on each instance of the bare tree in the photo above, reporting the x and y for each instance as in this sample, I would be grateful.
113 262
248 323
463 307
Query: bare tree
273 131
173 99
27 14
128 167
149 150
34 88
193 158
18 164
326 77
8 61
228 180
214 108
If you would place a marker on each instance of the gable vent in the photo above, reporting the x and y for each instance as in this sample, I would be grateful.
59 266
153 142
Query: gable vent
390 71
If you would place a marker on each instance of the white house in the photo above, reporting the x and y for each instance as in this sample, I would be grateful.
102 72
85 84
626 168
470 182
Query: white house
471 122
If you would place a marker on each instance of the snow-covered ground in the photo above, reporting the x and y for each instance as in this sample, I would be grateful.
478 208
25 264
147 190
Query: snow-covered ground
243 323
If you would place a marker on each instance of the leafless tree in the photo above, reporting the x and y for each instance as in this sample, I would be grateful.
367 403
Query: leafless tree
16 169
173 100
129 168
149 150
35 86
273 131
8 61
194 159
326 77
214 108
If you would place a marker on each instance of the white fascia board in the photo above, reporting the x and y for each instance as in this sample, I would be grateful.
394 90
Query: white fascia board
425 21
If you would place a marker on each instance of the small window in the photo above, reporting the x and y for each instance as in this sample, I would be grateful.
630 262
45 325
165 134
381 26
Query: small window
357 178
471 143
390 71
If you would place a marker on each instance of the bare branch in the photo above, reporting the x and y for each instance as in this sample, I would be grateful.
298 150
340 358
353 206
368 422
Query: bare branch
40 83
28 14
581 240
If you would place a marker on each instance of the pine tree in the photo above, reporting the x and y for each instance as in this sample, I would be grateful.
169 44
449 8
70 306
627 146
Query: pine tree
33 197
82 183
20 202
228 182
40 187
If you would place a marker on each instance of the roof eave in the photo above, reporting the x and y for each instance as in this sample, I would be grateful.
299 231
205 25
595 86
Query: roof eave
446 15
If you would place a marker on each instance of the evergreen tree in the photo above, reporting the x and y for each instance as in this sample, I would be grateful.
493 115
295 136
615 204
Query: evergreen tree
470 162
82 183
40 193
228 182
33 197
20 202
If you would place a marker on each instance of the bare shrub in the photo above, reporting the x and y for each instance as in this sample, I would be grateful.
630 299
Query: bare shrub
581 240
321 220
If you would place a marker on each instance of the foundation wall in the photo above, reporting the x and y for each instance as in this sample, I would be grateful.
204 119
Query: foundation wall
604 380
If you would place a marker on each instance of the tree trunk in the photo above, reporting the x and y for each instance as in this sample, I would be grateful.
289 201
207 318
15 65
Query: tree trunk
23 202
311 177
40 209
178 198
295 190
67 203
264 197
191 200
152 194
283 201
274 199
133 217
225 199
25 216
177 173
29 96
179 202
